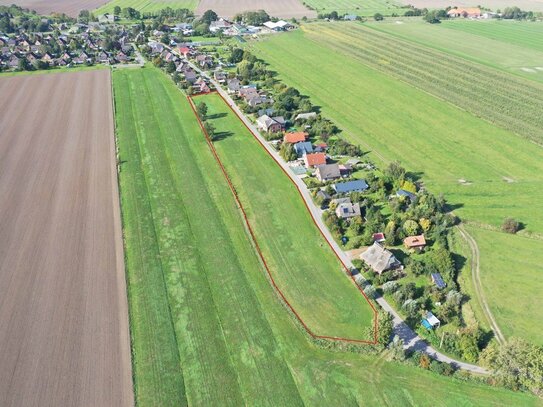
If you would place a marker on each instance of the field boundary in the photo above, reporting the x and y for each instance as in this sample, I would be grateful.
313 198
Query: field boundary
257 246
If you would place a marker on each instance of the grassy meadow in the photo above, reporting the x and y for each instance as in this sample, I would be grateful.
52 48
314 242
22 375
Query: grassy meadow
356 7
147 6
485 172
494 52
206 326
299 258
521 33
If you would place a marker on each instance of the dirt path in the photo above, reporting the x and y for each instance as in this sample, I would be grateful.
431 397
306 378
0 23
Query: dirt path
476 278
64 338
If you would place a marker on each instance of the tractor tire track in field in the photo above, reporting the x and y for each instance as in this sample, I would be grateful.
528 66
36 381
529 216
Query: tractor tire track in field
476 278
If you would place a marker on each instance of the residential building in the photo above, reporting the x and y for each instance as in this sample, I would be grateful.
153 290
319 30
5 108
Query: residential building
379 258
271 124
327 172
348 210
358 185
302 148
295 137
415 242
315 159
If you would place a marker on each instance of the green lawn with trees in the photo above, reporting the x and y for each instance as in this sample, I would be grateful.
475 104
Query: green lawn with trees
299 258
206 326
485 172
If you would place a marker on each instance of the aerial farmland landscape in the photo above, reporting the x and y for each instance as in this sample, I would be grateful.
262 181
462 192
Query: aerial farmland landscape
271 203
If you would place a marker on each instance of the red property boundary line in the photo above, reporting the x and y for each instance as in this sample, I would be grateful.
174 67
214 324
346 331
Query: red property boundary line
257 246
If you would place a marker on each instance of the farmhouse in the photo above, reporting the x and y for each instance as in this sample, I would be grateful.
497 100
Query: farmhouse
295 137
350 186
315 159
277 26
348 210
415 242
470 12
220 25
379 258
271 124
327 172
438 281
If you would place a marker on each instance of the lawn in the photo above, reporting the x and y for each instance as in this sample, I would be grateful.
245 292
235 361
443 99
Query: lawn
494 52
299 258
521 33
356 7
432 138
207 328
147 6
510 276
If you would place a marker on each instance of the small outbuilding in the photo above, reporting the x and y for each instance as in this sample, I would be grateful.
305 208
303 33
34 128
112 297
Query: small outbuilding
438 281
417 243
430 321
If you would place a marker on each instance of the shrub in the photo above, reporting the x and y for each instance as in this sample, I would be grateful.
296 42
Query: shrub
370 291
510 225
390 287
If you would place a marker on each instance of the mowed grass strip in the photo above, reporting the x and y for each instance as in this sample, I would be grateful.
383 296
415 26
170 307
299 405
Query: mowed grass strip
303 265
227 354
525 34
147 5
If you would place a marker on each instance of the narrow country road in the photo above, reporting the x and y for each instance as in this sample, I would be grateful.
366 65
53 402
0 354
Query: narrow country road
476 277
411 340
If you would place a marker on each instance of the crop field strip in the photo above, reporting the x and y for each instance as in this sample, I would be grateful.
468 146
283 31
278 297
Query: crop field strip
299 257
356 7
507 101
350 378
69 7
275 8
222 335
512 58
147 5
64 318
525 34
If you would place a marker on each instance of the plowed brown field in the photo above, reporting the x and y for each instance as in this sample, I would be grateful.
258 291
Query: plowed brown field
69 7
64 338
275 8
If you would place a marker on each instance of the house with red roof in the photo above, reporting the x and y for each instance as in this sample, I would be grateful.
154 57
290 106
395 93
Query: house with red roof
315 159
295 137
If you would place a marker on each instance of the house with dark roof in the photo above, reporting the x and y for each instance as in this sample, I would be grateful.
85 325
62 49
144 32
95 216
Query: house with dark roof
271 124
303 148
379 258
233 85
358 185
438 281
327 172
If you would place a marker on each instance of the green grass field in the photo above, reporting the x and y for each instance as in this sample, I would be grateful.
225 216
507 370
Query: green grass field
207 328
299 258
357 7
510 274
436 140
507 101
524 34
197 326
147 6
494 52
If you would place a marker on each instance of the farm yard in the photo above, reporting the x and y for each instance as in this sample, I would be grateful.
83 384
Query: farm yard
64 318
393 120
494 52
69 7
148 6
356 7
179 291
275 8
